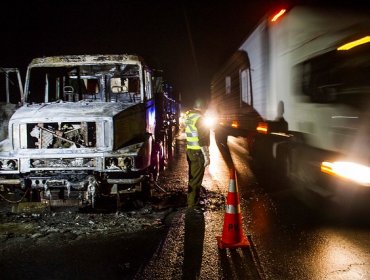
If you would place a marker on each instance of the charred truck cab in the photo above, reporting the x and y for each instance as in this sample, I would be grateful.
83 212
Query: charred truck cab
87 129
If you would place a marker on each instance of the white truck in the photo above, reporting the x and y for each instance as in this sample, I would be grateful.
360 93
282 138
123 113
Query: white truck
299 89
89 128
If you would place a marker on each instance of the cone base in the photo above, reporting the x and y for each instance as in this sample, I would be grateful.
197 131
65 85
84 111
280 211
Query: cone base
222 245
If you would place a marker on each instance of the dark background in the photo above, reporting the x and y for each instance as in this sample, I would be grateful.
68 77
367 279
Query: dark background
189 40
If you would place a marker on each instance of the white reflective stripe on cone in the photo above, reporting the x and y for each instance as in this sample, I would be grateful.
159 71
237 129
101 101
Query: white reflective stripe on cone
232 186
232 209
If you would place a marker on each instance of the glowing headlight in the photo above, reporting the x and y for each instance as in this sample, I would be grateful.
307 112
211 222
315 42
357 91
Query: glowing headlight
210 120
349 170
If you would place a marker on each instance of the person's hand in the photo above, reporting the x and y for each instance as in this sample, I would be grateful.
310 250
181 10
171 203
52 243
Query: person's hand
205 152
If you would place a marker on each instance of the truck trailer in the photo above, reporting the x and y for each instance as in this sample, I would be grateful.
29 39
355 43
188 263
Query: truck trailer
298 89
89 128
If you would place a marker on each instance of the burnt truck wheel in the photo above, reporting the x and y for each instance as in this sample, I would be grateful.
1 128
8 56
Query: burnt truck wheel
147 191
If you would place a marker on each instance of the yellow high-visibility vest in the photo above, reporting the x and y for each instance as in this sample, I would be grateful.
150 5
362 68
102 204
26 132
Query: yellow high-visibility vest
192 139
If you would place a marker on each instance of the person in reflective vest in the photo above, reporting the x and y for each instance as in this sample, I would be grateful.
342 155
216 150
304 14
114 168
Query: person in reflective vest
197 153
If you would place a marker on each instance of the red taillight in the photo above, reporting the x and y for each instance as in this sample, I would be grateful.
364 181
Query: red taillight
262 127
278 15
235 124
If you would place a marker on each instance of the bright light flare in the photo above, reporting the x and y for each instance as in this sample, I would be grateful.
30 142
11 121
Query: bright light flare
210 120
349 170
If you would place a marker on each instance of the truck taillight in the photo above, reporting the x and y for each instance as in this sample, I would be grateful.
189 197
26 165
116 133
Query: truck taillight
262 127
355 172
235 124
278 15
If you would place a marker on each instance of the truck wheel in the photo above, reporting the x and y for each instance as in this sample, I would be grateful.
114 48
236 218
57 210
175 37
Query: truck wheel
256 162
147 191
284 167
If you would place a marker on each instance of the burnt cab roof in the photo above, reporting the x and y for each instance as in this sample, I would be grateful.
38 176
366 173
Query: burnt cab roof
70 60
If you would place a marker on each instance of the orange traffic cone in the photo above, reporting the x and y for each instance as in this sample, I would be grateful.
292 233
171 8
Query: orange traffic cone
232 234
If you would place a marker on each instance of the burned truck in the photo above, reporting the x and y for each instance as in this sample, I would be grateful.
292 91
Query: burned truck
89 128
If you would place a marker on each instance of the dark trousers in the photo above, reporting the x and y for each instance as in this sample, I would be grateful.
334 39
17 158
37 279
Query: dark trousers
195 160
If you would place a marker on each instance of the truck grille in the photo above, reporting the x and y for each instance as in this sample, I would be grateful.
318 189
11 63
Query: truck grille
55 163
54 135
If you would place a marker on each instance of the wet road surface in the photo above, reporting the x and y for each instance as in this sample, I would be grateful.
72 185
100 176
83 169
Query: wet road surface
298 235
289 239
183 246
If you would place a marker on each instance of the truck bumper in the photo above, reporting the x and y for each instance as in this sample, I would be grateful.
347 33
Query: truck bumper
127 181
10 181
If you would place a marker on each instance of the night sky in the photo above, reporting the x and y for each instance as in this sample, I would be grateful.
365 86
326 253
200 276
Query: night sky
189 40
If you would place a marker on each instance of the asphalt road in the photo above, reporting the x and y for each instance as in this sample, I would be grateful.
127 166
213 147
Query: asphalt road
297 234
182 245
290 237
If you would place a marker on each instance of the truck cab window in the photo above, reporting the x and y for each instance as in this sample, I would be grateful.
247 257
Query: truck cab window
36 90
93 83
245 86
338 77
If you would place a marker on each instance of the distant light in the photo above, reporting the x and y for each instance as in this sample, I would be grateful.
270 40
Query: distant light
279 14
349 170
355 43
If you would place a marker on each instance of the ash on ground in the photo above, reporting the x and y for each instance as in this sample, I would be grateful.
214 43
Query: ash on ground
67 225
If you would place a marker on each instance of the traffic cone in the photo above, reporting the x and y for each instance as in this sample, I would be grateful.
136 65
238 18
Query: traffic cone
232 234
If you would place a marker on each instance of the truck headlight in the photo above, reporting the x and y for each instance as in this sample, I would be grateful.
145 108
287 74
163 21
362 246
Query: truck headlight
210 120
355 172
121 163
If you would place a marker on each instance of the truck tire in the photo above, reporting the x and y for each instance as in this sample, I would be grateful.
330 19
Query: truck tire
257 157
284 165
147 191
